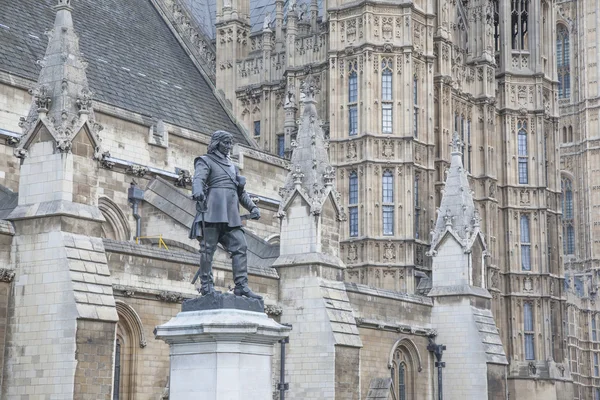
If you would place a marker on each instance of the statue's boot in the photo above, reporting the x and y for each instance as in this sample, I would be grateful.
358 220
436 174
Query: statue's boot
235 242
207 283
244 290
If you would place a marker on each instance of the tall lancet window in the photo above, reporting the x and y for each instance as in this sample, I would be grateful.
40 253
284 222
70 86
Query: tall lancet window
519 24
523 153
568 221
352 98
402 381
117 377
529 332
525 244
496 25
386 96
563 61
388 202
353 204
417 205
416 106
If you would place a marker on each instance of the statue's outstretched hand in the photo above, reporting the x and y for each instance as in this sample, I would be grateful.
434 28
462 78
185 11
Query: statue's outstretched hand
255 213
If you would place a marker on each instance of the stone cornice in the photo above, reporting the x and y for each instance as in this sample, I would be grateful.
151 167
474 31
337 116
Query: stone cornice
394 327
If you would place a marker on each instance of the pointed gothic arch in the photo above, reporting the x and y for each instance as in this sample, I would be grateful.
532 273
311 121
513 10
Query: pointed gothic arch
404 364
128 343
116 226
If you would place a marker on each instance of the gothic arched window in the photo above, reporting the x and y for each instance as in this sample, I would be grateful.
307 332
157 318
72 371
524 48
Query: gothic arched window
568 219
529 331
519 24
416 106
353 203
117 378
523 153
563 62
352 98
525 243
402 381
417 205
388 202
405 365
386 96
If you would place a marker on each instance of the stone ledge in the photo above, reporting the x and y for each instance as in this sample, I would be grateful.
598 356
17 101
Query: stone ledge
459 290
292 260
394 327
389 294
54 208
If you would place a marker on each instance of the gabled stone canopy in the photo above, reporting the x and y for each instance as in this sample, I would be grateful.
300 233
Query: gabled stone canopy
457 215
62 100
311 174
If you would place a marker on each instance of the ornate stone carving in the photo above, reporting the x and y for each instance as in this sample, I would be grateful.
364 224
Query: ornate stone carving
6 275
170 297
184 178
137 170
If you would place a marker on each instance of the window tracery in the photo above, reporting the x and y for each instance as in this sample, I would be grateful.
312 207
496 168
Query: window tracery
353 98
353 203
386 96
563 62
519 24
388 202
568 220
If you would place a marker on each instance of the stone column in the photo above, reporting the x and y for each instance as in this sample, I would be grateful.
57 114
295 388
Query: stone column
221 349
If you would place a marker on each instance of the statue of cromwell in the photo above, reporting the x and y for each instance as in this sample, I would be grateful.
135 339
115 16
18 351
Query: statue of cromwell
219 190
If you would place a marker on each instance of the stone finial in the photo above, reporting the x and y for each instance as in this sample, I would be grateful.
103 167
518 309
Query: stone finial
457 210
309 88
61 98
457 144
63 5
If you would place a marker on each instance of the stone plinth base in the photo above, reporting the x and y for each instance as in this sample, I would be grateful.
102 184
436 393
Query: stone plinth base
222 354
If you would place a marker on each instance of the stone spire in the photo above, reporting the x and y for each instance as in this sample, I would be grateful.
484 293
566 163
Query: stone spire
311 173
310 210
62 100
457 213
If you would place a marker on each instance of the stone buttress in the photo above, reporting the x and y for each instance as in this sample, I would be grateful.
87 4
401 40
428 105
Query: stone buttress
61 331
475 357
311 290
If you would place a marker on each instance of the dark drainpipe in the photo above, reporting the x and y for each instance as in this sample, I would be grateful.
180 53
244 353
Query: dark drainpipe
135 195
282 386
438 350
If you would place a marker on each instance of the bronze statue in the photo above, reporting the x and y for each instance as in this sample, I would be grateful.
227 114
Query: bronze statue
219 190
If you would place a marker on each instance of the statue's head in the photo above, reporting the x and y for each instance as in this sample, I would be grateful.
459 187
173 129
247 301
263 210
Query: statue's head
222 141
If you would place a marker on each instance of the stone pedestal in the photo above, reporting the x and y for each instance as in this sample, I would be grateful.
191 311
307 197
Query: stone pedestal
221 354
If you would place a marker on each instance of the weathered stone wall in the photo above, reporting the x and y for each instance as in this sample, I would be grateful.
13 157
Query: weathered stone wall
5 291
347 373
378 344
94 356
496 382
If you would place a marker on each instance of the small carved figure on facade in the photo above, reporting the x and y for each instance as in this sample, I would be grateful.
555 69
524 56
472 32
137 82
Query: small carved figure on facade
267 22
218 190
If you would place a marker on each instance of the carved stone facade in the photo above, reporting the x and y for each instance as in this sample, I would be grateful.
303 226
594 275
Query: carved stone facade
396 82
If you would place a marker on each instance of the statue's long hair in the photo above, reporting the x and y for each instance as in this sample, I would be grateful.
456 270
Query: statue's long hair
216 138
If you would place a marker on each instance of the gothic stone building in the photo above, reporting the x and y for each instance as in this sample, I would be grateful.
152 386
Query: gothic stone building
425 172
